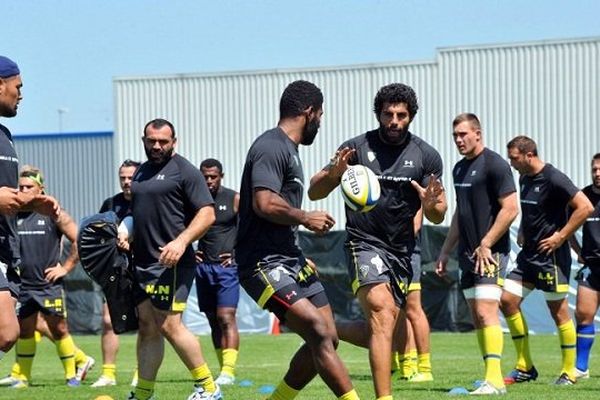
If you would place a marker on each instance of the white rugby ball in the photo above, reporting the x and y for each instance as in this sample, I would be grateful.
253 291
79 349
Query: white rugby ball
360 188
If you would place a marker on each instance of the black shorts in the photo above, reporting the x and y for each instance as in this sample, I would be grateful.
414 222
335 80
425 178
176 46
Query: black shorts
494 275
589 277
369 265
10 279
277 285
551 278
49 300
167 288
217 286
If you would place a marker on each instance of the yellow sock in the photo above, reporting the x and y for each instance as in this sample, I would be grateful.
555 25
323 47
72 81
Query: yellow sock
520 336
204 378
424 363
229 360
15 371
395 361
351 395
25 353
491 343
143 389
568 339
406 367
284 392
110 371
413 361
80 356
66 351
219 353
38 336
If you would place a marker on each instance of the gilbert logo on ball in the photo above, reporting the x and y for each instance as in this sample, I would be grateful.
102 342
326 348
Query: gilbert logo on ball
360 188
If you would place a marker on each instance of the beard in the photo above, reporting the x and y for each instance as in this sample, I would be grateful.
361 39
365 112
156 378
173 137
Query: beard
310 131
393 136
7 112
158 156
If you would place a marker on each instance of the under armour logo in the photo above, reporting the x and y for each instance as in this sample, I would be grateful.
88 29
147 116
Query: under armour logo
474 172
290 295
408 163
160 177
41 222
536 189
222 208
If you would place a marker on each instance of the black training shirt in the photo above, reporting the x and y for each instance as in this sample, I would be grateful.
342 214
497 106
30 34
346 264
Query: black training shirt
9 176
479 183
272 163
590 249
220 238
390 224
166 198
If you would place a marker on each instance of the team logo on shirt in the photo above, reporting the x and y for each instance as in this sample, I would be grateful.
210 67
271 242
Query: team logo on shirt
474 172
364 270
160 177
19 222
222 207
536 189
371 156
408 164
41 222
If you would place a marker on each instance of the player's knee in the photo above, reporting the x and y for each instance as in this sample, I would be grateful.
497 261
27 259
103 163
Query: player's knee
8 337
226 321
583 318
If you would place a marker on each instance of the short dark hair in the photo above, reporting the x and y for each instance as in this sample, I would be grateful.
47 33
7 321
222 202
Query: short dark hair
469 117
297 97
130 163
396 93
524 144
210 163
158 123
596 157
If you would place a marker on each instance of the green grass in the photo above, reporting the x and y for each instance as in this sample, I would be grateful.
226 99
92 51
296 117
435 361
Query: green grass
263 360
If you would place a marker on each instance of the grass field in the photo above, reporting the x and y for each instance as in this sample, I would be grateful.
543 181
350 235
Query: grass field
263 360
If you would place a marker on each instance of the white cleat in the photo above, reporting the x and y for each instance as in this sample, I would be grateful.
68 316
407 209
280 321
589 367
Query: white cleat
104 381
8 380
201 394
487 389
578 374
84 367
225 379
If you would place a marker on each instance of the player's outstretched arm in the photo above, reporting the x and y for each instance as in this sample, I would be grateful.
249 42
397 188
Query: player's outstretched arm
324 181
433 199
272 207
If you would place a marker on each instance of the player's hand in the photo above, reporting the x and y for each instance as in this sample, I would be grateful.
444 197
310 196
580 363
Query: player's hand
9 200
432 194
46 205
551 243
199 254
53 274
226 259
171 252
311 264
485 264
441 264
339 163
319 222
123 241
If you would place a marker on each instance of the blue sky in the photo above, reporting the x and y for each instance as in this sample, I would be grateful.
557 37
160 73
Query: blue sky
69 51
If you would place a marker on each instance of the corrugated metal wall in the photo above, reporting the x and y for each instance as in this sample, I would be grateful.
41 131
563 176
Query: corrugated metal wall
548 90
78 168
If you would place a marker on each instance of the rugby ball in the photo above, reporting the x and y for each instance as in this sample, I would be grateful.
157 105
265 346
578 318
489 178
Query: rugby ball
360 188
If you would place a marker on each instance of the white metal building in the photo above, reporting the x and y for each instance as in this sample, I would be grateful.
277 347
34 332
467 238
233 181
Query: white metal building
549 90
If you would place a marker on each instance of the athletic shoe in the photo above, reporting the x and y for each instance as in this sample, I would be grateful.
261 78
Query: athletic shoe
487 389
518 376
8 380
84 367
20 384
73 382
104 381
421 377
578 374
564 380
225 379
132 397
201 394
